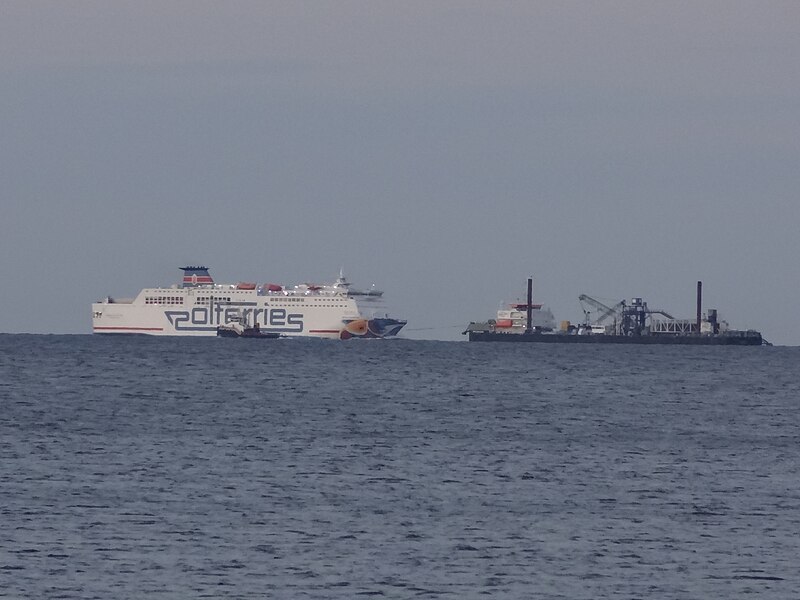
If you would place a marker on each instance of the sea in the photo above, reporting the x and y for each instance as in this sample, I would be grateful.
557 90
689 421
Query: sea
138 467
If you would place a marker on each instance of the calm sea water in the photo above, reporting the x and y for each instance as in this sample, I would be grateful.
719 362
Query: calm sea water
215 468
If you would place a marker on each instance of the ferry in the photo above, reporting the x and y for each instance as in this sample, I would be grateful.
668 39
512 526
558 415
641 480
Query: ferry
199 307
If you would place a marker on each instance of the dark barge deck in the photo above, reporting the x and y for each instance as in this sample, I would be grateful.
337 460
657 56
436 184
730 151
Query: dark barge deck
738 338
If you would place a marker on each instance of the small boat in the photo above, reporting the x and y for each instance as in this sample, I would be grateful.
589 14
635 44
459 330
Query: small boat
240 328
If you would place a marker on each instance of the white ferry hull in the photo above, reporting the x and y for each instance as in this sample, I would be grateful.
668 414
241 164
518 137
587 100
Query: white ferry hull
332 312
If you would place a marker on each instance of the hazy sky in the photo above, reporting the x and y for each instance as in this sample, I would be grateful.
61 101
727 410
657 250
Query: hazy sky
443 150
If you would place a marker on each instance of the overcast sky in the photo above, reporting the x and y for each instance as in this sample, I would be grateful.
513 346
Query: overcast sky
444 151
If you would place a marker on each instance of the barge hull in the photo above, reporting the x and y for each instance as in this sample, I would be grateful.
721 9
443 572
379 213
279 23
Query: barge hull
750 339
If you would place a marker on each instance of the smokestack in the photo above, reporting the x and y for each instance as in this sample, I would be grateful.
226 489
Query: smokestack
699 303
529 327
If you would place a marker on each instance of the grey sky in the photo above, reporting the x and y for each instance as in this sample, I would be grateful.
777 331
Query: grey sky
443 150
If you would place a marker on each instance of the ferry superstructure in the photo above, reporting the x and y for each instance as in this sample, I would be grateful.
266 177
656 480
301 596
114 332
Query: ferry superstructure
198 306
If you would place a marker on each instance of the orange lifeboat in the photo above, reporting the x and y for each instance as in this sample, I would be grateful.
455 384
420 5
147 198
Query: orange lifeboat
503 323
245 286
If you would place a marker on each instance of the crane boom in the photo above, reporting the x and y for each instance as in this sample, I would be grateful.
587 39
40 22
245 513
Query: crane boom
604 311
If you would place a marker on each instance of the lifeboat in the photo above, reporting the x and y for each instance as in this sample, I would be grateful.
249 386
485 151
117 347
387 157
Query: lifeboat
503 323
245 286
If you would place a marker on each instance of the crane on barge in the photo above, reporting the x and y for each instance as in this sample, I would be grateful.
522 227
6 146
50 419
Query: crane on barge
603 312
630 318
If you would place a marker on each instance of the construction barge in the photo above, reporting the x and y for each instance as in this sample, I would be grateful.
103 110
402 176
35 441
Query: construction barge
626 322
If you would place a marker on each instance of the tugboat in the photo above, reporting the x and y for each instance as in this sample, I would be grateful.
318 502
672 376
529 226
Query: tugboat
239 327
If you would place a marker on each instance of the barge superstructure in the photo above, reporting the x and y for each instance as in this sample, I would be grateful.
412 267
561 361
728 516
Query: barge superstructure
197 306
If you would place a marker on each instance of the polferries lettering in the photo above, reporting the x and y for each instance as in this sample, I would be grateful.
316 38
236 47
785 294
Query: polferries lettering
202 317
